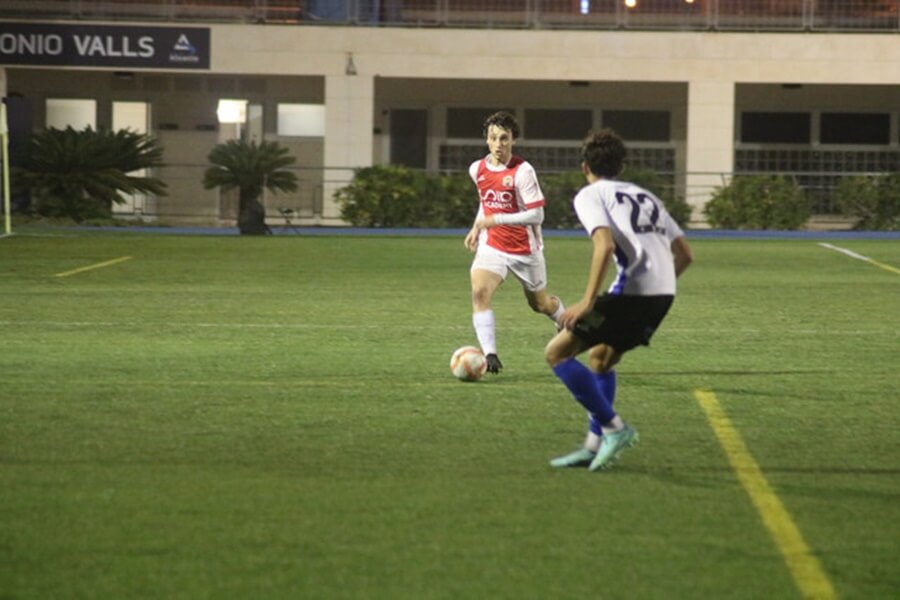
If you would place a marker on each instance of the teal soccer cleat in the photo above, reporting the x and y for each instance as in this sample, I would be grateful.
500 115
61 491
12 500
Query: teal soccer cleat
579 458
612 445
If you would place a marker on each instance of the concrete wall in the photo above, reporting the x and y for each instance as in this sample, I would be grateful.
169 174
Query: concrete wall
703 78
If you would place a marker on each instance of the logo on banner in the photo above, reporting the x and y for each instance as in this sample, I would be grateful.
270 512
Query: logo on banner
183 51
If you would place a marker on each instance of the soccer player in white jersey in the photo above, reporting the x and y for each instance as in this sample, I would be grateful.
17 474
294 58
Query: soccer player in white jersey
506 235
630 225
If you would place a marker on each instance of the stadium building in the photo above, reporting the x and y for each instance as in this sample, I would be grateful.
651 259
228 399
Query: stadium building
700 89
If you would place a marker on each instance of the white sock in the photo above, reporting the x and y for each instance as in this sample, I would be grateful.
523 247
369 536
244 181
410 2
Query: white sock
592 441
617 424
484 330
559 310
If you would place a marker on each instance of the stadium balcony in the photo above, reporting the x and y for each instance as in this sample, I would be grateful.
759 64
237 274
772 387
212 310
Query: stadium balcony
690 15
700 89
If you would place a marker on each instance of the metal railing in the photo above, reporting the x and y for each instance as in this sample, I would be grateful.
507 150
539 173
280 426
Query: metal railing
679 15
189 203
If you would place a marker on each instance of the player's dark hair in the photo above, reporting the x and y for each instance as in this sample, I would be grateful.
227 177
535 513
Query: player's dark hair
502 119
604 153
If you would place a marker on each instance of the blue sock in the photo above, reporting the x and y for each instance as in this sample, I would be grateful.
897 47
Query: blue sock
584 388
607 382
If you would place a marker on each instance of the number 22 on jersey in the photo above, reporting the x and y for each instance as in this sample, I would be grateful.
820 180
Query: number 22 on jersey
644 212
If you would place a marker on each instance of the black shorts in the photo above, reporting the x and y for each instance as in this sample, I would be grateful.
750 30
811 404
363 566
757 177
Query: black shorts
623 322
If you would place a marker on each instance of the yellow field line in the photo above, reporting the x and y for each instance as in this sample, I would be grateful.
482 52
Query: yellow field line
94 266
861 257
805 568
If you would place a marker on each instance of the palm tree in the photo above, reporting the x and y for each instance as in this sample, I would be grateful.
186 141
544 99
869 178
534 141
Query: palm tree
80 174
250 167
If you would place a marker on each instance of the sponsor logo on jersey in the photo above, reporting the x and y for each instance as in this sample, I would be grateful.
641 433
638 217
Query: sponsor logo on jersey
503 200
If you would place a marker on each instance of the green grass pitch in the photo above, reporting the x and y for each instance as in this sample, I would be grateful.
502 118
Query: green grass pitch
226 417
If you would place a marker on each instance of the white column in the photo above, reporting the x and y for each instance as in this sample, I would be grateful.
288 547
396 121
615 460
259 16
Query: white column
349 112
710 141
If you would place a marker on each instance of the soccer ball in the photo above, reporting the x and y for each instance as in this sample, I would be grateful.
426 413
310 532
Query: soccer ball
468 363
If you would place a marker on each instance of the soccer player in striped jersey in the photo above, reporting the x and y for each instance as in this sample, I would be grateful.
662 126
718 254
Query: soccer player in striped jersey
506 235
630 225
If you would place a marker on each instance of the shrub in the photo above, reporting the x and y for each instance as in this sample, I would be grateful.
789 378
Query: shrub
385 196
874 200
249 168
560 190
457 199
758 202
397 196
80 174
662 189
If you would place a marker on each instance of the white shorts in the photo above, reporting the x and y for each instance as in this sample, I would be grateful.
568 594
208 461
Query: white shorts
529 269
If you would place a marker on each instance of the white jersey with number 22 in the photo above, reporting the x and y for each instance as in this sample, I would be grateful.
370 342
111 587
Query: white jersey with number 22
642 230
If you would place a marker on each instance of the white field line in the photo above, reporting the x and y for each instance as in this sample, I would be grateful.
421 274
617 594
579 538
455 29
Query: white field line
363 383
861 257
413 326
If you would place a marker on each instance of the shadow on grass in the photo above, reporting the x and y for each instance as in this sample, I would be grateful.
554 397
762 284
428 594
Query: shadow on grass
730 373
713 477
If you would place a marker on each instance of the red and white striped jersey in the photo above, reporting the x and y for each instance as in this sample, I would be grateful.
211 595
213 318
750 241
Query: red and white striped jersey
509 188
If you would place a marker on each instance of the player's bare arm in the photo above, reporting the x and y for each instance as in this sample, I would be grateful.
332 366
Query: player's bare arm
603 250
485 223
471 240
683 255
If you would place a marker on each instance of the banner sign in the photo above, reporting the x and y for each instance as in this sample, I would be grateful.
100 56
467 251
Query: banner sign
104 46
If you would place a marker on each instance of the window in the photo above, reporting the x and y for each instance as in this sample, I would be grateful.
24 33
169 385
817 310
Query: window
231 111
77 114
855 128
555 124
131 115
469 122
409 137
301 120
775 127
639 125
